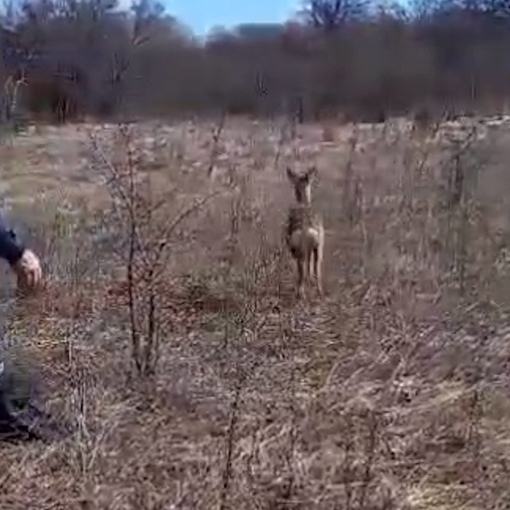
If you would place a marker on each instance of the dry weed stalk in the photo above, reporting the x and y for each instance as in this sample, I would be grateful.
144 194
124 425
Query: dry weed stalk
229 447
243 322
287 135
216 139
351 189
9 99
458 204
292 116
426 124
246 301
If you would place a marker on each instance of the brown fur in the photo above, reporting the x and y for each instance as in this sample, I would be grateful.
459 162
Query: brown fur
304 232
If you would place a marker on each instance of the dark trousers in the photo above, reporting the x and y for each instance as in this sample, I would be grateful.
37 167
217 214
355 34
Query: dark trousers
11 427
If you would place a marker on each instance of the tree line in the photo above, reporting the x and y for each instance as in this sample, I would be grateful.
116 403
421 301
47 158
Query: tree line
358 59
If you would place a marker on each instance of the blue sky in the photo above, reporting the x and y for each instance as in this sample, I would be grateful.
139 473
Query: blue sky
202 15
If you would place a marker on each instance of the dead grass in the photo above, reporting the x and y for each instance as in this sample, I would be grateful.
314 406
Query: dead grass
392 393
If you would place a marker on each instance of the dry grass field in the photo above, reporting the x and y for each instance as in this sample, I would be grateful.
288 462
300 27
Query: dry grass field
393 392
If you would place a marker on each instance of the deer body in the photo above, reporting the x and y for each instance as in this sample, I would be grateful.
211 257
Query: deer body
304 232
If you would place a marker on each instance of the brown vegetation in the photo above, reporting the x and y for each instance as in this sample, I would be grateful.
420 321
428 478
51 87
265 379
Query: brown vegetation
168 332
192 375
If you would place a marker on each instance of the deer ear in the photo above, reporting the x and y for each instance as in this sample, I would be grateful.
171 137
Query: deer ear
290 174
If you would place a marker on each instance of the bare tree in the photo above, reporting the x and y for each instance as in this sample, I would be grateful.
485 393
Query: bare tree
331 15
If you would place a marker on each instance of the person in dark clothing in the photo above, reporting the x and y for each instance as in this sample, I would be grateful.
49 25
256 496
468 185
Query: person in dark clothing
27 267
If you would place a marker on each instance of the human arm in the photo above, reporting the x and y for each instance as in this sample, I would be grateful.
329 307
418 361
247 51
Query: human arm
11 249
24 262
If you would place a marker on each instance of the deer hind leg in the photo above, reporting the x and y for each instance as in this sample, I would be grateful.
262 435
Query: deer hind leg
301 273
311 264
317 262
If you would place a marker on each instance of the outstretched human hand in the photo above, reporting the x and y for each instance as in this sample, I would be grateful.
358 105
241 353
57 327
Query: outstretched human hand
28 270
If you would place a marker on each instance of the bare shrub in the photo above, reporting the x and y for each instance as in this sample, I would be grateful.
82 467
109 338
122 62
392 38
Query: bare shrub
146 229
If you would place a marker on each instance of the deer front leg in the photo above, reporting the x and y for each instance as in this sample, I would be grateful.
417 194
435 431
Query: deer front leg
300 262
317 258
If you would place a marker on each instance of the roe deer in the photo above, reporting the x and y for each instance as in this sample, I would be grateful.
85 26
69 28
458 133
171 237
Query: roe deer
304 232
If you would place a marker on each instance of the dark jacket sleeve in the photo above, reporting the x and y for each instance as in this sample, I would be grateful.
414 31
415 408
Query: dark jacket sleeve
11 249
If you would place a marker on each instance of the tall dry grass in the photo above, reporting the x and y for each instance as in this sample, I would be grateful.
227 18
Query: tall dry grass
389 393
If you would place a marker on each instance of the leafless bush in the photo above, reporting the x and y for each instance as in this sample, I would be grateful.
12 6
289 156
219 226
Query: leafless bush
146 229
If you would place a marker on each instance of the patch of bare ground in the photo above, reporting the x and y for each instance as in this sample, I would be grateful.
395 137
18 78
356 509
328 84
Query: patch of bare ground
390 393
